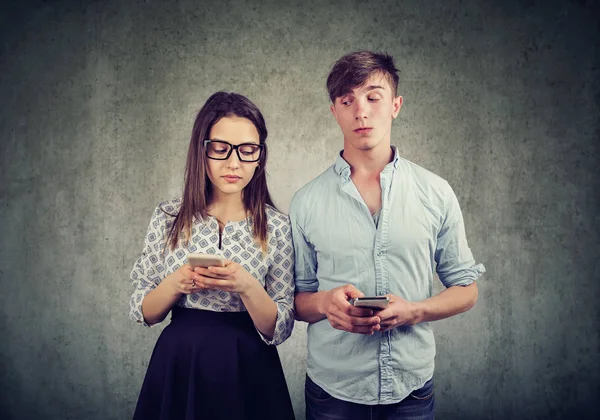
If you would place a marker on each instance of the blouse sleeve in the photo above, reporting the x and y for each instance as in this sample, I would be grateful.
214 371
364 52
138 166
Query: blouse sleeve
149 270
279 283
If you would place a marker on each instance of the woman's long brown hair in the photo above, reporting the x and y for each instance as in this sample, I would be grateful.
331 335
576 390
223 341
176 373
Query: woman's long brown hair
198 188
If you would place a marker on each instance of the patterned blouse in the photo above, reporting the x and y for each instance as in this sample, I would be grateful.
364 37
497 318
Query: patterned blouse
274 270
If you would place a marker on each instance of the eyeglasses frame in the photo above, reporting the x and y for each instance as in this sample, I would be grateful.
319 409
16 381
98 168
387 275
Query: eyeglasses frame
261 147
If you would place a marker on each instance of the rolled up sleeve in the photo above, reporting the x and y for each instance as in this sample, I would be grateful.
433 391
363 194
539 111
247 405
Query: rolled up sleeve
279 284
455 263
149 269
306 259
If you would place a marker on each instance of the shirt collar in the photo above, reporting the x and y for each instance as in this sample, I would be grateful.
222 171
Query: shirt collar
342 168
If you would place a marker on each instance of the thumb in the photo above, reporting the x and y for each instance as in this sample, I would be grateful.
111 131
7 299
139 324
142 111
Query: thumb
352 292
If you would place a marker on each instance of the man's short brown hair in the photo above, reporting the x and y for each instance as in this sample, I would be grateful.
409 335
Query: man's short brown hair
353 70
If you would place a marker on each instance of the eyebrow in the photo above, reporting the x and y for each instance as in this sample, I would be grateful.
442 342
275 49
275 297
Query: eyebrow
227 141
369 88
373 87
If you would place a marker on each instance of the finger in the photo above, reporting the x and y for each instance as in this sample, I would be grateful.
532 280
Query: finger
352 292
389 313
196 289
204 271
357 320
221 271
201 270
185 289
184 284
193 284
216 283
343 324
213 278
201 286
342 303
360 320
355 311
369 330
339 323
385 314
188 271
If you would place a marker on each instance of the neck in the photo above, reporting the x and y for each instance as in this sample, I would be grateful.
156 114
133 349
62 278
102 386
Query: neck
371 161
227 206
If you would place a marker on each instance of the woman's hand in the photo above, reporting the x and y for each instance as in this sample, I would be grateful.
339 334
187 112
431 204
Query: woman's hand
184 280
231 278
157 304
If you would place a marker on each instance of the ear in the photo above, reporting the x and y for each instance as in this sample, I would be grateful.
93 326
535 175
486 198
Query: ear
332 109
396 105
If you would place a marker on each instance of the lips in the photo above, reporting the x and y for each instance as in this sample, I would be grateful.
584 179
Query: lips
231 178
362 130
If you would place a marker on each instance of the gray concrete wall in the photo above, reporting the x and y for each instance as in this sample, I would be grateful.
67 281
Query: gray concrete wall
98 100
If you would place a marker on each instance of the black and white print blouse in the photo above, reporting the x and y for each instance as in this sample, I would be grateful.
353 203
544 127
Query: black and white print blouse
274 270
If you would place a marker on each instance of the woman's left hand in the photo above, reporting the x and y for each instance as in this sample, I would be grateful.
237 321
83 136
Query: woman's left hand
231 278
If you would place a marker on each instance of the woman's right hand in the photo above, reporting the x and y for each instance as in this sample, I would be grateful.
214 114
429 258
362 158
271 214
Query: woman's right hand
157 304
184 280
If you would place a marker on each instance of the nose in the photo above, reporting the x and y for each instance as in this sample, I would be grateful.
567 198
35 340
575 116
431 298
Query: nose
360 110
234 161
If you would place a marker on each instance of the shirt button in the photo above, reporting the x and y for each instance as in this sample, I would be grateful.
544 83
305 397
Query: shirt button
379 254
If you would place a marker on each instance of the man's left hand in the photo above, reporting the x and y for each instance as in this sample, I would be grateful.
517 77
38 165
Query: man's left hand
399 312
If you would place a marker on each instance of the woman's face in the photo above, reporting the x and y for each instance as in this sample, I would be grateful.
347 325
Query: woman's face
231 176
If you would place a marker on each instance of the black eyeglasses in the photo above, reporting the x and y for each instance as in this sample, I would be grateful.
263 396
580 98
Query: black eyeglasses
221 150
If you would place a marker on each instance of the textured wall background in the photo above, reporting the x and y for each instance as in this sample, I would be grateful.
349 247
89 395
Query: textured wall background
98 101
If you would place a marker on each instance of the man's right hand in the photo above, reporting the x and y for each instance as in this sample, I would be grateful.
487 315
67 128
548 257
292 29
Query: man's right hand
343 316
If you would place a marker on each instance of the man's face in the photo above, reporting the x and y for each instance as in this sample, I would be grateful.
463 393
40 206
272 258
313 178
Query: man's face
365 114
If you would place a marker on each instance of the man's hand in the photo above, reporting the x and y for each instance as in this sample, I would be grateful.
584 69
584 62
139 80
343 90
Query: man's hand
399 312
343 316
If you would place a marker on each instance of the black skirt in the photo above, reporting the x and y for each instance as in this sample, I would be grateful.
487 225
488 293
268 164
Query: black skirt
213 365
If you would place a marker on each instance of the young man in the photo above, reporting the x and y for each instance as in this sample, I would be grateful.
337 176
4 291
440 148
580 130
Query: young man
375 224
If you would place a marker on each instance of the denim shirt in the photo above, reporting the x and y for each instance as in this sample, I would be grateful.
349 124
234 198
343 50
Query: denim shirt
420 231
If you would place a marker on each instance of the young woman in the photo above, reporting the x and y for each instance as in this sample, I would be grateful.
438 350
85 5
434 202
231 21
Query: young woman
217 358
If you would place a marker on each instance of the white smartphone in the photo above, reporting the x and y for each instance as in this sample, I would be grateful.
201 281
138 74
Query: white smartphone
205 260
371 302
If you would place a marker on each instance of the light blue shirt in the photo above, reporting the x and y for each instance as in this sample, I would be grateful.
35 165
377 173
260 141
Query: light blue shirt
420 232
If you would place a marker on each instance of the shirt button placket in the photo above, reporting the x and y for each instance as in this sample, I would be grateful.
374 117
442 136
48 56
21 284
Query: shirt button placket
386 373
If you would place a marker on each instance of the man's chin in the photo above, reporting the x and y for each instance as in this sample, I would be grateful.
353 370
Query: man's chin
366 143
